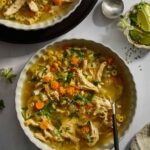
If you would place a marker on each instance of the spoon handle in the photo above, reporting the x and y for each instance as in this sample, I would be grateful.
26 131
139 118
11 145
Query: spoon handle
115 131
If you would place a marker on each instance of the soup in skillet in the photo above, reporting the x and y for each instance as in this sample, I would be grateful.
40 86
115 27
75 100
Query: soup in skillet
33 11
66 98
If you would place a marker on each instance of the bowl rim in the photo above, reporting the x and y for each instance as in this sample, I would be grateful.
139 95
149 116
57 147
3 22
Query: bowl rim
33 59
40 25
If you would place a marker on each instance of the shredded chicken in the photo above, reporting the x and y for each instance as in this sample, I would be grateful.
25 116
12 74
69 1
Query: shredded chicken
32 5
54 132
67 1
18 4
40 136
85 62
86 84
96 75
68 130
30 122
55 94
100 71
102 110
48 134
94 134
102 106
60 111
51 127
92 72
14 7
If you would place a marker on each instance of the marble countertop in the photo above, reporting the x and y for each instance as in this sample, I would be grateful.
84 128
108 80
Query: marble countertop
94 27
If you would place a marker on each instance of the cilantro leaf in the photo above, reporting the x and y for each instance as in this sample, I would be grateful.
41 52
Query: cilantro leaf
8 74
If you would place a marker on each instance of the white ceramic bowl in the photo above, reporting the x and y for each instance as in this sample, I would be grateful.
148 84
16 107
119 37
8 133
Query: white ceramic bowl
43 24
128 79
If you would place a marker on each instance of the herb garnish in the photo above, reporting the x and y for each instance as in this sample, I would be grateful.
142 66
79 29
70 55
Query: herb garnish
89 98
8 74
74 114
48 109
69 77
78 52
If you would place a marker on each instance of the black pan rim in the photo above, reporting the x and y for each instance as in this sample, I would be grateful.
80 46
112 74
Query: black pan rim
35 36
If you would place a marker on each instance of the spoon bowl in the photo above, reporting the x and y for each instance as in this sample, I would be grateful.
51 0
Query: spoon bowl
112 8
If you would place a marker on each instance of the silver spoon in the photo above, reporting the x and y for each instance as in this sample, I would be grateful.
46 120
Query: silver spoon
112 8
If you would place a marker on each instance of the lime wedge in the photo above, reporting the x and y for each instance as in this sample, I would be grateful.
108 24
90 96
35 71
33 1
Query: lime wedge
140 37
143 17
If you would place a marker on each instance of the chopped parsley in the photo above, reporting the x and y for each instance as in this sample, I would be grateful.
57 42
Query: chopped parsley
69 77
74 114
48 109
57 122
33 78
96 82
78 97
7 74
78 52
97 55
89 98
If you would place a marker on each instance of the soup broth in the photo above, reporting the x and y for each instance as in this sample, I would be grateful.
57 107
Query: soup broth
67 95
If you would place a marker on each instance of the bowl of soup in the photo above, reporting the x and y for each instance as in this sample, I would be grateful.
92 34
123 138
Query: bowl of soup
35 14
64 96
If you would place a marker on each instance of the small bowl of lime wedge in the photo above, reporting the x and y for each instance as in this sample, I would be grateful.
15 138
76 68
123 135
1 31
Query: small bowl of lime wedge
136 25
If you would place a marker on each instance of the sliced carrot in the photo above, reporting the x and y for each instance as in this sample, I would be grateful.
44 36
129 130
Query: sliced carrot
55 85
75 60
89 106
39 105
62 90
44 124
54 67
70 91
58 2
46 78
47 8
85 129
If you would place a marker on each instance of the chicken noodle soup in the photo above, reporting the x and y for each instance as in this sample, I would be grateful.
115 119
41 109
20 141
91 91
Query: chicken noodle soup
33 11
67 97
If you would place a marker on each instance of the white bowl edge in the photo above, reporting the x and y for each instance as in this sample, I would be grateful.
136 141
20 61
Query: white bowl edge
40 25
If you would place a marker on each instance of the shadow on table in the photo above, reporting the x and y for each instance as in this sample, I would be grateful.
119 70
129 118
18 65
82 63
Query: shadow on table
99 19
128 146
12 136
8 50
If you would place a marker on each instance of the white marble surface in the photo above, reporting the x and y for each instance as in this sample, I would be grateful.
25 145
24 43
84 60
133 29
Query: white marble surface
94 27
